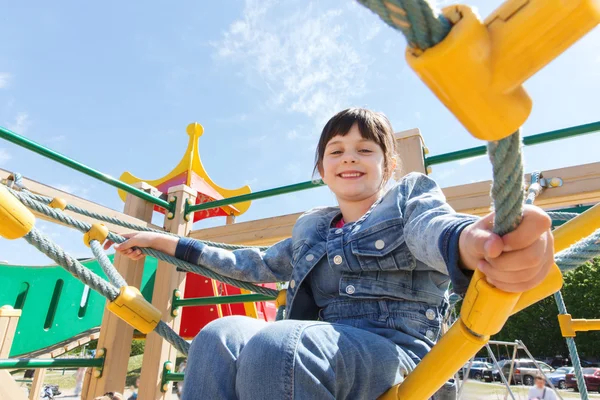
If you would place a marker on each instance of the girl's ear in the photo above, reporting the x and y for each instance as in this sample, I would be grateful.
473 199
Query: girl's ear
320 169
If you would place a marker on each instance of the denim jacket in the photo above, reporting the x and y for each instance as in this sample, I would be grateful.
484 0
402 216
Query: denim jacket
404 248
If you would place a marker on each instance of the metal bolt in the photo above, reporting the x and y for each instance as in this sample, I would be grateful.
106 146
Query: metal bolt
168 366
555 182
212 309
175 312
165 387
170 215
425 150
172 199
177 293
100 353
97 373
429 169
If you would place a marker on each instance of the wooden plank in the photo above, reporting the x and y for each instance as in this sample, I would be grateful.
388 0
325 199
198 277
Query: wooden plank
9 318
158 350
581 185
409 149
38 381
49 191
116 334
9 389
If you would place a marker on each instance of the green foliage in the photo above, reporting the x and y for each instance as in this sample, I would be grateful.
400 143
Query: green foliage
537 326
137 347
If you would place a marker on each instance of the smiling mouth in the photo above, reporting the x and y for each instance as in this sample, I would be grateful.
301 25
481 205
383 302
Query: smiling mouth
350 175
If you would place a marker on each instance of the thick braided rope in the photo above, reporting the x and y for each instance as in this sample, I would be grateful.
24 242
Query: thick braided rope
116 221
561 216
170 336
562 309
109 269
421 24
41 242
84 227
579 253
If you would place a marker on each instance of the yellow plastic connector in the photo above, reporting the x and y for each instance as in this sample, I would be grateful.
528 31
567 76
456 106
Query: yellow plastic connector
15 219
281 299
97 232
478 69
59 203
569 326
132 308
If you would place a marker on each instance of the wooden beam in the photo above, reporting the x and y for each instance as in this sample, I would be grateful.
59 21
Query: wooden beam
409 150
48 191
581 185
9 390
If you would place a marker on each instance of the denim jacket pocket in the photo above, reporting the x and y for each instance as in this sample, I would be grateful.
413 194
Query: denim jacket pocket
383 248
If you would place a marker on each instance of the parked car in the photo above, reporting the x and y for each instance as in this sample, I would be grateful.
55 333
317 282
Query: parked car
591 377
558 377
476 371
525 370
493 374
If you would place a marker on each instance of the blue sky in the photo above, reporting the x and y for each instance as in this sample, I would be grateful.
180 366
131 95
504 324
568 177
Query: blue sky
113 85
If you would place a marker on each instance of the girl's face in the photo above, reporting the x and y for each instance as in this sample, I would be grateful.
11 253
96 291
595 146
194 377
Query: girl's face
353 167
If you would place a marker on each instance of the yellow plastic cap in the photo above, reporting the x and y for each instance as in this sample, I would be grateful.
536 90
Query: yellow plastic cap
16 220
459 71
281 299
132 308
59 203
566 328
97 232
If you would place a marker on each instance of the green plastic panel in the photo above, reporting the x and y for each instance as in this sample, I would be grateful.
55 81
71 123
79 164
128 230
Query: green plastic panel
53 304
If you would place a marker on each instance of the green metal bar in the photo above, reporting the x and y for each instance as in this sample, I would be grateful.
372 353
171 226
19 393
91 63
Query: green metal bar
174 377
256 195
53 155
209 301
27 363
527 141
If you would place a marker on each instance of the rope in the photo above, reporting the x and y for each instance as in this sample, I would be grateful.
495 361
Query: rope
111 272
561 216
18 182
579 253
421 24
169 334
84 227
562 309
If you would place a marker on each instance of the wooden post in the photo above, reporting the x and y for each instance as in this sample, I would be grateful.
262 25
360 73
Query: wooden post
230 219
158 350
409 149
116 334
38 382
9 318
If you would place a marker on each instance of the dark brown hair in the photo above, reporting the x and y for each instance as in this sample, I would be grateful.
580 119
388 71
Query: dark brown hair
372 125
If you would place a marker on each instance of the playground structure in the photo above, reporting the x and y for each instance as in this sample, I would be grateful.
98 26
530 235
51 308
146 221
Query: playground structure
567 187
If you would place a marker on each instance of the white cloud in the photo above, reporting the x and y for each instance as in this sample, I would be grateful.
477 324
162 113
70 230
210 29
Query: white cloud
466 161
22 122
307 61
4 79
4 156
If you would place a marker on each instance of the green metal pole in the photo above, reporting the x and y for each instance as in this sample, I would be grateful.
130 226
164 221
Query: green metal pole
256 195
209 301
53 155
527 141
174 377
26 363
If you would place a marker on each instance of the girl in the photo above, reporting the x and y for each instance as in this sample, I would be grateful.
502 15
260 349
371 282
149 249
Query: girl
368 279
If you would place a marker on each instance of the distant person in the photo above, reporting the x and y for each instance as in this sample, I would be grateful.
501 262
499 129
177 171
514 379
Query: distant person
539 391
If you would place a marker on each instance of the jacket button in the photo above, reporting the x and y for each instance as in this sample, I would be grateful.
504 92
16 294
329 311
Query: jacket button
350 289
338 231
380 244
430 314
310 257
337 260
292 283
429 334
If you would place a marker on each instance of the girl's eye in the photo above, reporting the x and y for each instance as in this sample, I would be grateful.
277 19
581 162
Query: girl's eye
366 151
336 152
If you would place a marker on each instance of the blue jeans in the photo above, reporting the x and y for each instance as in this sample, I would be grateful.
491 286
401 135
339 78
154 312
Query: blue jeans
244 358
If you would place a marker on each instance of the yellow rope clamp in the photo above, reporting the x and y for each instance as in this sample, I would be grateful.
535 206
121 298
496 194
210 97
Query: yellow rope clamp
281 298
15 219
132 308
569 326
478 69
97 232
59 203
